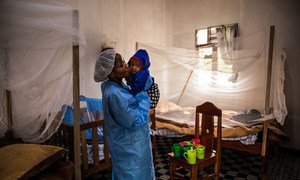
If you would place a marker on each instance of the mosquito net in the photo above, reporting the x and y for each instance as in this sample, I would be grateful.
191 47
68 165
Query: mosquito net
36 64
234 78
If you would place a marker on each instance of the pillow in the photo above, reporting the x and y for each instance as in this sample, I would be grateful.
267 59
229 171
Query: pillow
167 106
27 160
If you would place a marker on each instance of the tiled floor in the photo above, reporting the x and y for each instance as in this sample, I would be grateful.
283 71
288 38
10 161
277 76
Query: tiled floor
235 165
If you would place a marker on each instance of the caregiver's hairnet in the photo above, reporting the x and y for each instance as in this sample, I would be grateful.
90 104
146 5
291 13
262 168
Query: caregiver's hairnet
104 65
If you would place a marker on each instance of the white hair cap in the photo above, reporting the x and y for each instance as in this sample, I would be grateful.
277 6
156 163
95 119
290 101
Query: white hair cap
104 65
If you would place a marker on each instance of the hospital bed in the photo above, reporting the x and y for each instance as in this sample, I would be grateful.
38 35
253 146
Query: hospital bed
174 121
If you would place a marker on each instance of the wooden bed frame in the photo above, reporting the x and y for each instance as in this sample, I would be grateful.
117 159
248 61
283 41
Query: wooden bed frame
64 137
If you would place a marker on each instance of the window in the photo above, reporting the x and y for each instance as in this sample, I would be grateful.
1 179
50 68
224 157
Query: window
206 41
201 37
207 36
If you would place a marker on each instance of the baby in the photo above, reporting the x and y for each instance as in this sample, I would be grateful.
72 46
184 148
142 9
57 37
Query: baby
140 78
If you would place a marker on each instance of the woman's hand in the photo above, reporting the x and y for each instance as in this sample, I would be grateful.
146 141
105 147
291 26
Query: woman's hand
128 82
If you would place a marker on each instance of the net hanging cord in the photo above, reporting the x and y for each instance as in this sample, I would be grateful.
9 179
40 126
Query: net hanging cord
185 86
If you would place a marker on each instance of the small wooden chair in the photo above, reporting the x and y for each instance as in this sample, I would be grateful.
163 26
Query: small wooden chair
212 151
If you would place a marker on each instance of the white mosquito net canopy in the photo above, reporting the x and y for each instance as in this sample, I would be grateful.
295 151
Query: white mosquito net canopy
36 64
238 81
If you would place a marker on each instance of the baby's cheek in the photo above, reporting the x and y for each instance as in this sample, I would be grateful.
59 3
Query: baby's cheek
134 70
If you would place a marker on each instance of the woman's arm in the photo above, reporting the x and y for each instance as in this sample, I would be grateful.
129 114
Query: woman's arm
129 111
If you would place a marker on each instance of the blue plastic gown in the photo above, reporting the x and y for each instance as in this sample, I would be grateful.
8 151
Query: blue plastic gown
127 132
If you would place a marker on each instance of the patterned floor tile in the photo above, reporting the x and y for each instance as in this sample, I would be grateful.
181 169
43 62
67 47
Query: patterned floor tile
234 165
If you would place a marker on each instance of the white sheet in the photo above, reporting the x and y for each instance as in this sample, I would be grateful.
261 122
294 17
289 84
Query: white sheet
187 116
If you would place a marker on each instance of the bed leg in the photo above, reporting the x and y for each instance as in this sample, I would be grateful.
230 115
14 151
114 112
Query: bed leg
264 167
264 149
153 137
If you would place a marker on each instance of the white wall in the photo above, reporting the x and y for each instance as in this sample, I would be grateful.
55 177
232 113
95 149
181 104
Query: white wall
189 15
125 21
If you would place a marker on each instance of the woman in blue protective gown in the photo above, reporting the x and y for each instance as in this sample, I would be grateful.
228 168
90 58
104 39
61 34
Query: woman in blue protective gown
126 120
